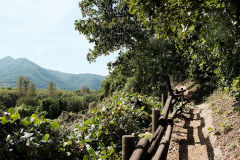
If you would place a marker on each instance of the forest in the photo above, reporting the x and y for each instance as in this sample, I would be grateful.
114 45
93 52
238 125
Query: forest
159 44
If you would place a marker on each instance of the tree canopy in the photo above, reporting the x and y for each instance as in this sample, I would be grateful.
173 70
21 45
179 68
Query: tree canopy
206 32
110 26
203 37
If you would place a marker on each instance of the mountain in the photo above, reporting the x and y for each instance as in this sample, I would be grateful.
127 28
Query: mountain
11 69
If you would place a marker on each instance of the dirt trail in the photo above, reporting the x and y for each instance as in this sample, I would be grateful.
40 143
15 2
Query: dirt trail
191 138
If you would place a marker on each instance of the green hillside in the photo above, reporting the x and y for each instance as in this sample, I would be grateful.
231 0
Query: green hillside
11 69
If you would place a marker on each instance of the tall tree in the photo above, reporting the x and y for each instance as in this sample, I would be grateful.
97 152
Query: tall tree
22 85
111 28
31 91
51 89
84 90
206 32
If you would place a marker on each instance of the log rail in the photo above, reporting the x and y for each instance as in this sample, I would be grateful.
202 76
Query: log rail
162 125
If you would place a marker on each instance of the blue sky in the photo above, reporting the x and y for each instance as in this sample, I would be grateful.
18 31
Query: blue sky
43 32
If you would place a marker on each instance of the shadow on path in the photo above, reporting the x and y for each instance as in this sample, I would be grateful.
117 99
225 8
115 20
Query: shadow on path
183 144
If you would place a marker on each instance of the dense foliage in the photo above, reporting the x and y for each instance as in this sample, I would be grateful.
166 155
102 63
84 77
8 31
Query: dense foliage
95 136
8 98
205 32
162 40
145 63
156 42
50 103
101 130
32 138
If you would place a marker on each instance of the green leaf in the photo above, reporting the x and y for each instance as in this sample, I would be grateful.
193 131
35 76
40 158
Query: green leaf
10 110
46 120
67 143
216 71
133 11
91 150
15 116
46 137
85 157
33 117
37 122
54 124
112 122
25 122
4 120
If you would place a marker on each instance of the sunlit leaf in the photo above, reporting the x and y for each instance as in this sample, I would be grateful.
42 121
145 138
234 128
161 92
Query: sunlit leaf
4 120
46 137
54 124
10 110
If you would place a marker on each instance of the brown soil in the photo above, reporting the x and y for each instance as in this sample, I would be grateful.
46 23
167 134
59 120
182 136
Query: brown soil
226 125
207 131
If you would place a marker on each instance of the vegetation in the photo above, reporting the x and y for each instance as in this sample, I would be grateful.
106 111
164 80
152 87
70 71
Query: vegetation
127 114
49 102
200 38
32 137
206 33
51 89
144 64
158 42
95 136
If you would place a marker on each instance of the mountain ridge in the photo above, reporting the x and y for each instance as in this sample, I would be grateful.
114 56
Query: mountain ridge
11 69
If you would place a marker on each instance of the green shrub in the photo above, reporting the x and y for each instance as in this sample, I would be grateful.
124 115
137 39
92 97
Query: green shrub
235 89
75 104
2 106
31 101
33 138
26 110
100 132
8 97
53 106
96 136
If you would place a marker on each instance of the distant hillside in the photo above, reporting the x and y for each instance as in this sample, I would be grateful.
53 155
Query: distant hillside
11 69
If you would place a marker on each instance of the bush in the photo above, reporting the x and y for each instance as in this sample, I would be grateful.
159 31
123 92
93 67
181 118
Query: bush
101 130
26 110
53 106
96 136
31 101
2 106
8 97
235 89
75 104
33 138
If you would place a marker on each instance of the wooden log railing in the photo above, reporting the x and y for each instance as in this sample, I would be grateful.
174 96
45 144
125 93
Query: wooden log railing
162 125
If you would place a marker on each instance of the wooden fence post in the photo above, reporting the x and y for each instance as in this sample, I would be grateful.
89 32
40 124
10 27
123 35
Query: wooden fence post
169 93
128 146
182 97
155 119
163 100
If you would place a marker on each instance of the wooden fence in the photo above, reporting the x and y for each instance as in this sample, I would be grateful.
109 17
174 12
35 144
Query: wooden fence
162 126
